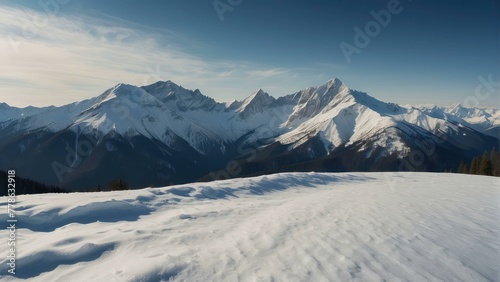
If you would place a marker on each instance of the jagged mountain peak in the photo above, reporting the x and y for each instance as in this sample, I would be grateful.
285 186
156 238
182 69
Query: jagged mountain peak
460 110
259 95
318 94
458 106
334 82
313 100
179 98
258 102
159 94
463 111
164 88
121 93
260 92
123 89
333 87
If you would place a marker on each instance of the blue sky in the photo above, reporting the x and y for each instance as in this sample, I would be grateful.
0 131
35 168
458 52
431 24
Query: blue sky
60 51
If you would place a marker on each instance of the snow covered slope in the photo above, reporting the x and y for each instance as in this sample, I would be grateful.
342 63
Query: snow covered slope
283 227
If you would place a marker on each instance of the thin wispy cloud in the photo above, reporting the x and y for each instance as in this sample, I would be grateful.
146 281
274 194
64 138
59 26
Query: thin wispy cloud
46 59
267 73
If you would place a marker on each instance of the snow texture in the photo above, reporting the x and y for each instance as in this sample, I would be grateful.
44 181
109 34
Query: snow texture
283 227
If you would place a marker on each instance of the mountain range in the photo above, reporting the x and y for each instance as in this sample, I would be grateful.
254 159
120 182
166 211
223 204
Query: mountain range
164 134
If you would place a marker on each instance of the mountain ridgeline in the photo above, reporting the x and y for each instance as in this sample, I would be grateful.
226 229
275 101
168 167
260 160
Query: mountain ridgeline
164 134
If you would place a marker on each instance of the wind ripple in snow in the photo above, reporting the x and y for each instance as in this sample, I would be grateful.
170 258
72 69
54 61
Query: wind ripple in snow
45 261
109 211
284 227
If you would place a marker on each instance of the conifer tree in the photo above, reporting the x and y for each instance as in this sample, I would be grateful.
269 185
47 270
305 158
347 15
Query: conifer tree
474 166
485 165
118 185
495 162
462 168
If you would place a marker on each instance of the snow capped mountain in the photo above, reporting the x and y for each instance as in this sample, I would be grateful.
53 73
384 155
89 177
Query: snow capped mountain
257 103
178 98
352 116
482 117
188 131
7 112
313 100
486 120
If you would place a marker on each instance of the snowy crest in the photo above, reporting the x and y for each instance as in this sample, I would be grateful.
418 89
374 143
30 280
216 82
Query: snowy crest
165 111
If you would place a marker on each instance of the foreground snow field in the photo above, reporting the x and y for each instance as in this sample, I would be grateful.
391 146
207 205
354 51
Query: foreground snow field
283 227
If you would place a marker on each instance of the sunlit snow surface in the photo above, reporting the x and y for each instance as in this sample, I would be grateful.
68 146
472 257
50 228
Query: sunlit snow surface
284 227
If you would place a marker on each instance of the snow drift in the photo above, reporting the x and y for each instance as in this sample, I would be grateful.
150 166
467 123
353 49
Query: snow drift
283 227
